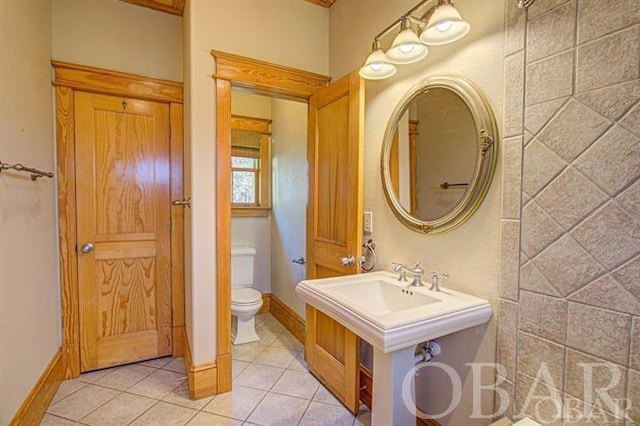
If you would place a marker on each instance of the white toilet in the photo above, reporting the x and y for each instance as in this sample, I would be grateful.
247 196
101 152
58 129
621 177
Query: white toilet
245 301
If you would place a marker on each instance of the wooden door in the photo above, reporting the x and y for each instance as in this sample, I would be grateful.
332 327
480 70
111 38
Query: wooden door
334 226
123 210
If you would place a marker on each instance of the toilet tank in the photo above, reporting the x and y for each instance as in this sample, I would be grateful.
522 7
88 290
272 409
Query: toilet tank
242 266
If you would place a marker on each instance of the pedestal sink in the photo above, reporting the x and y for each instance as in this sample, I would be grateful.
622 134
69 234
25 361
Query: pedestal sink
375 307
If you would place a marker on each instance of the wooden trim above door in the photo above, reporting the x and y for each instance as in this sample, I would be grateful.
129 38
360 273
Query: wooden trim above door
110 82
68 79
258 77
267 79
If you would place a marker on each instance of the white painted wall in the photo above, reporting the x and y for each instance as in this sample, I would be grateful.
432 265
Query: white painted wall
290 191
119 36
288 32
254 231
471 252
29 289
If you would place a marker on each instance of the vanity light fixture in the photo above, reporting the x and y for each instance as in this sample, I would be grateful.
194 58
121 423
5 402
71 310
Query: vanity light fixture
377 66
441 24
407 47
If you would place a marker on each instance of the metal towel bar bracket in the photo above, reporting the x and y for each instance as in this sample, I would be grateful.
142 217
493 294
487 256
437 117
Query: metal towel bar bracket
35 173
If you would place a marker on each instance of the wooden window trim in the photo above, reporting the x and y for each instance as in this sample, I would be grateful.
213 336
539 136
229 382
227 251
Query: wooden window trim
262 126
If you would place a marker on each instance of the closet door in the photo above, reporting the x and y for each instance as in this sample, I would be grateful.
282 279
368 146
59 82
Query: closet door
123 229
334 226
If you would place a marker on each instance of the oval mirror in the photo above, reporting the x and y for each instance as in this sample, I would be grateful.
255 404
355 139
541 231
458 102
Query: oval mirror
438 155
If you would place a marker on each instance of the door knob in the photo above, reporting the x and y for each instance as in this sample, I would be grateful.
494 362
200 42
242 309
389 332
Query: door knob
348 261
299 260
185 202
87 248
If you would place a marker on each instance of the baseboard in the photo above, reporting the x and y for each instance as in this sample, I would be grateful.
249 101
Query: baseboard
426 422
266 303
34 407
288 317
202 379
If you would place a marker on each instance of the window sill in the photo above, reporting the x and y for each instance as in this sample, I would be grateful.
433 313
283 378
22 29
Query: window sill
250 211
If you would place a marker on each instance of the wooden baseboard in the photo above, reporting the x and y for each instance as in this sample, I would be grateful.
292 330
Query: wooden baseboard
34 407
288 317
426 422
266 303
202 379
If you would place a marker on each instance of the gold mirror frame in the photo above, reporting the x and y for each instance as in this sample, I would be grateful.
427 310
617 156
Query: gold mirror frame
487 142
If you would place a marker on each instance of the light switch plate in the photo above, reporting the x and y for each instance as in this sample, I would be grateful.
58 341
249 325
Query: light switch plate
368 222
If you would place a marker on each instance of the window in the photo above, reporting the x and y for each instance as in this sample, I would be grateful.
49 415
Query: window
250 166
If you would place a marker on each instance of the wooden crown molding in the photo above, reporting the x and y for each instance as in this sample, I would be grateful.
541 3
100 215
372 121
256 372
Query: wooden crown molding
323 3
252 124
174 7
267 78
114 82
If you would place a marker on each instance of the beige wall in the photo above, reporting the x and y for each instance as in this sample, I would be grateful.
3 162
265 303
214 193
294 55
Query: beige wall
470 253
254 231
288 32
290 189
571 221
119 36
29 296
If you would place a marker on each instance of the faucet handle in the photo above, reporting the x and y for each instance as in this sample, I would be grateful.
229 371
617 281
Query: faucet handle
418 269
436 274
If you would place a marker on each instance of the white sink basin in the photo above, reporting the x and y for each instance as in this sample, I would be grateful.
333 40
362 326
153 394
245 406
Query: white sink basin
375 308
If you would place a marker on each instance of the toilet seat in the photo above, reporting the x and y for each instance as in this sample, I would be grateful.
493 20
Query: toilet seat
245 296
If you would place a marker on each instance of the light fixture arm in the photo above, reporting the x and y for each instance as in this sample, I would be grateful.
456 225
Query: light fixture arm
391 26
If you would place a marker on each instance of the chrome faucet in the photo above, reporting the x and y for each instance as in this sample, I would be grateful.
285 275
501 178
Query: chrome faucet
435 278
416 273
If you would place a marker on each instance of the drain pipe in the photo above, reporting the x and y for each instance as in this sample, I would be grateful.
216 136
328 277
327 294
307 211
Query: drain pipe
425 352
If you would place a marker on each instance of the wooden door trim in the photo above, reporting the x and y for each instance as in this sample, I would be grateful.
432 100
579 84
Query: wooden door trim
261 78
175 8
266 78
68 79
108 82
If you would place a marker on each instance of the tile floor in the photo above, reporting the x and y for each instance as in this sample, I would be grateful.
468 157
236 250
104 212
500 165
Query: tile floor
271 387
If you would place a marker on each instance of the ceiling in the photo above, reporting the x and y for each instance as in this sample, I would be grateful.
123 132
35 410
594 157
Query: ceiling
176 7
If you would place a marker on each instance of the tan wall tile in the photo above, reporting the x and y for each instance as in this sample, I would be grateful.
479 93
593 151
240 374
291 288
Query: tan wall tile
540 166
543 316
552 32
599 374
550 78
513 94
538 229
511 177
535 354
507 333
509 261
609 60
598 332
599 17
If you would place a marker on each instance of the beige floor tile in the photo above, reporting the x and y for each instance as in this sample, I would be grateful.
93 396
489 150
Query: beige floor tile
259 376
121 410
93 376
319 414
180 396
82 402
67 388
276 409
248 351
323 395
276 357
296 383
166 415
238 367
176 365
237 404
122 378
49 420
266 336
288 341
273 325
158 362
207 419
261 318
364 417
298 363
158 385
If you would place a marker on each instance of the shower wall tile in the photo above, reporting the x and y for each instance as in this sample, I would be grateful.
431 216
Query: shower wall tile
511 177
550 78
603 374
552 32
509 258
593 23
543 316
514 94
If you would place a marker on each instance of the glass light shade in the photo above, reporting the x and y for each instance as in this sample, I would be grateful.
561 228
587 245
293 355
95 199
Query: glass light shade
406 48
445 26
377 67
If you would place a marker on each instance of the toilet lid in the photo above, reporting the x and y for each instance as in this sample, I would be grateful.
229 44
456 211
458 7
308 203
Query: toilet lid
245 296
